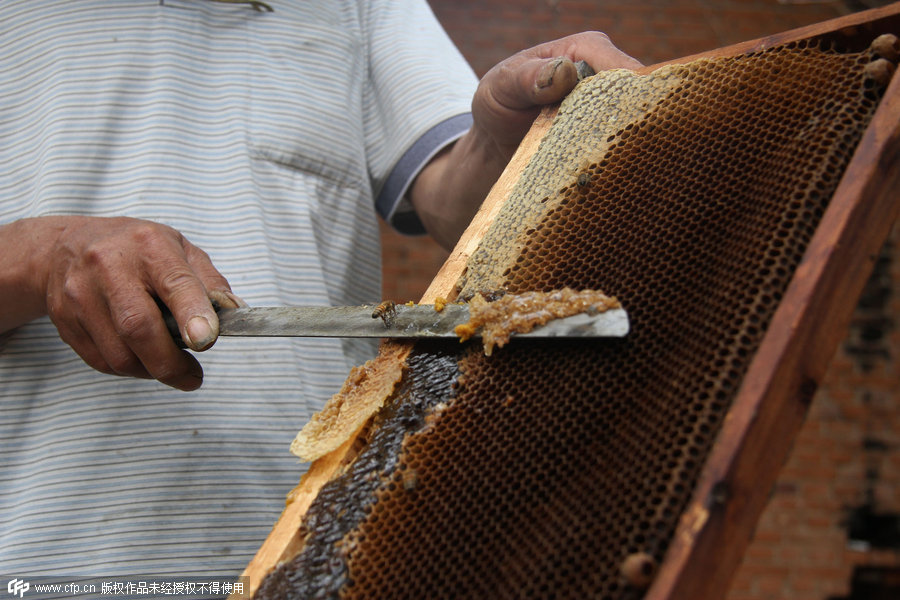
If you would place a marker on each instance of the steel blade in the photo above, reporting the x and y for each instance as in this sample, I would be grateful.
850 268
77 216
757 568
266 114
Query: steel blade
406 321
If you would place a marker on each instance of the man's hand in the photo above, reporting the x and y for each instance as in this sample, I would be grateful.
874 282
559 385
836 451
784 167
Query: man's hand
512 93
449 190
99 278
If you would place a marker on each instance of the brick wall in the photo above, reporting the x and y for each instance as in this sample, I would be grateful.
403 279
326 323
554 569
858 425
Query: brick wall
844 472
845 465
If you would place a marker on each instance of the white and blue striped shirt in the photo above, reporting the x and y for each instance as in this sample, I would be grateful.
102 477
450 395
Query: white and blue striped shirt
267 139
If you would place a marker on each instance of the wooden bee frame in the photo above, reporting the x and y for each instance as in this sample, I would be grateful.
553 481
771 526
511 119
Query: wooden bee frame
772 401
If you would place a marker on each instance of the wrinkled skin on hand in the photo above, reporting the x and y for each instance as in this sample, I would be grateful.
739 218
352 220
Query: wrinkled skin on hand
512 93
102 282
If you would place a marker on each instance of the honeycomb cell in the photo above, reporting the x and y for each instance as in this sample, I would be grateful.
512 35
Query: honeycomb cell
559 469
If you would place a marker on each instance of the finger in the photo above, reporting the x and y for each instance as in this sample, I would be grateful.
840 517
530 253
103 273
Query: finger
139 325
226 299
107 352
109 349
542 81
593 47
82 320
546 73
82 342
178 284
201 264
218 289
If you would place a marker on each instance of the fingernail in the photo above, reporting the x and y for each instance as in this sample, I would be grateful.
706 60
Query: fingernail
545 77
189 382
237 300
226 299
198 333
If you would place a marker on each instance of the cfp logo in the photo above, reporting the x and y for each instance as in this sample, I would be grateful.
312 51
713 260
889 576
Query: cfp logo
17 587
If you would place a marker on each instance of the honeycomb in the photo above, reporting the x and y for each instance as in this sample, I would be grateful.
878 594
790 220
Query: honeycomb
559 469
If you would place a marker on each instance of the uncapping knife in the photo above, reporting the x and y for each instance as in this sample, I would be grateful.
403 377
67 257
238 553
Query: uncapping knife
404 321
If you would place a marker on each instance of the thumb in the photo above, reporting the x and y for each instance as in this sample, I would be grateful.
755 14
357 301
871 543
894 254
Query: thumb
553 79
511 94
526 82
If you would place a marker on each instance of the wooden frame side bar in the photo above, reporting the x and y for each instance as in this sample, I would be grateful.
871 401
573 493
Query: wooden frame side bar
772 402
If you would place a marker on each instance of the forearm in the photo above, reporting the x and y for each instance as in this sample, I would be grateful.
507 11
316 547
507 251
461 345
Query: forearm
23 245
448 192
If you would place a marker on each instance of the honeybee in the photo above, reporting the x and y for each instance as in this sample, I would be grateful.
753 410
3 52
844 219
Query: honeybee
410 479
490 296
385 311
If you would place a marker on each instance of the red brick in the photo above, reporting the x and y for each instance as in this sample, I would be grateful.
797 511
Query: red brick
743 595
759 555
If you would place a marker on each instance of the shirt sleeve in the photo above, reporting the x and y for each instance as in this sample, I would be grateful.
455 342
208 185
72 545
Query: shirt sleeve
416 102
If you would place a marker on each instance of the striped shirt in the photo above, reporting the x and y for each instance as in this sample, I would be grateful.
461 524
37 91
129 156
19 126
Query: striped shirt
267 139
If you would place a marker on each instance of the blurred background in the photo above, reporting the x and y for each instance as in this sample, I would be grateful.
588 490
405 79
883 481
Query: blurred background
831 530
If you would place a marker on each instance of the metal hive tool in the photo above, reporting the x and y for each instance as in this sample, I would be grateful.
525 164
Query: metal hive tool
711 198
